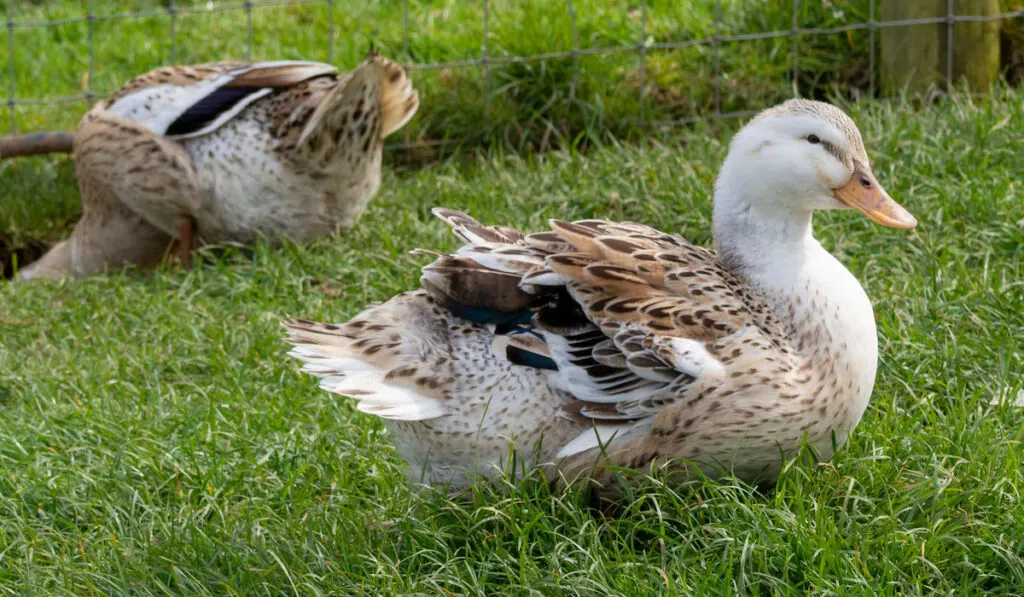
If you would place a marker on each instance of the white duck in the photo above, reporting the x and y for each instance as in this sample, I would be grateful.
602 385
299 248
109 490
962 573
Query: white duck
600 343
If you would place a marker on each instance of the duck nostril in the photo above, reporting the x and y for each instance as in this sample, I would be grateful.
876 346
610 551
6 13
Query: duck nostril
865 182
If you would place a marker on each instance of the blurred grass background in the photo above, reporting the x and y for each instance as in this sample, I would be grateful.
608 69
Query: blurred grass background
542 103
574 101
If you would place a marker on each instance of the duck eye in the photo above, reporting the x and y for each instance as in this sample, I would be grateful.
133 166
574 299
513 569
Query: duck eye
813 139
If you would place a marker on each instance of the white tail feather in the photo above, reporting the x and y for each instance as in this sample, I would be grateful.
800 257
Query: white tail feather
594 437
366 385
332 355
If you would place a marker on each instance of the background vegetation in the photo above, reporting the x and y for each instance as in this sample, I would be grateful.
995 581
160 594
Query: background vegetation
154 439
540 103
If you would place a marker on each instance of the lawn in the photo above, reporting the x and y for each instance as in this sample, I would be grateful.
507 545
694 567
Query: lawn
156 440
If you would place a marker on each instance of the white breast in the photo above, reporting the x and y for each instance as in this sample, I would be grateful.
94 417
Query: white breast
823 300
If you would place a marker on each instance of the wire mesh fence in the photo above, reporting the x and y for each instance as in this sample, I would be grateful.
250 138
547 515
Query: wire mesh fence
643 46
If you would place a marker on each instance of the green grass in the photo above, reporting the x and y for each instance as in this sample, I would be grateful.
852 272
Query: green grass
156 440
531 103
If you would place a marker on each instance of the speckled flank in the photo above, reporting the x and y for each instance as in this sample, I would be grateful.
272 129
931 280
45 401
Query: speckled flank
486 403
257 181
110 234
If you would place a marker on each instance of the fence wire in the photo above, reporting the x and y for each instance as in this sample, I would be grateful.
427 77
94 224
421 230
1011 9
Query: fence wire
173 11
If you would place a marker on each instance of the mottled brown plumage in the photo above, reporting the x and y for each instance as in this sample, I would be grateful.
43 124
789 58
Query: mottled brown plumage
598 343
228 152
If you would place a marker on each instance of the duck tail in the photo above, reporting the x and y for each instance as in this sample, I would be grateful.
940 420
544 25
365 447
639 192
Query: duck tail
368 104
398 100
387 358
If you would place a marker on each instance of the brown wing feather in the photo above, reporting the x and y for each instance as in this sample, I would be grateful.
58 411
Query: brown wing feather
252 75
676 290
630 273
639 287
281 75
454 280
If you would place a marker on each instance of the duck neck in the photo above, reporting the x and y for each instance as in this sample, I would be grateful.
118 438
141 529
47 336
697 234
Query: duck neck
762 236
825 311
770 245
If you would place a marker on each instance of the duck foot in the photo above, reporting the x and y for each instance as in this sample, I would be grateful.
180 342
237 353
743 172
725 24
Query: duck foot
183 244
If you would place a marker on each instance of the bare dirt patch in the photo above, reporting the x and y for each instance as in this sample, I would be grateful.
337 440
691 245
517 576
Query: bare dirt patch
21 253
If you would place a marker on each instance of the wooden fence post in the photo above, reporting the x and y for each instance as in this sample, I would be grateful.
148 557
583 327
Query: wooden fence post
976 44
915 56
910 55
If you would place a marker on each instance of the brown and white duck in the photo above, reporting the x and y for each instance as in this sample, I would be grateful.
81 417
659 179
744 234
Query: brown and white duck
227 152
597 342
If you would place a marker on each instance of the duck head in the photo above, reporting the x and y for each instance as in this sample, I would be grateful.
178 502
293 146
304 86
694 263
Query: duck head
796 158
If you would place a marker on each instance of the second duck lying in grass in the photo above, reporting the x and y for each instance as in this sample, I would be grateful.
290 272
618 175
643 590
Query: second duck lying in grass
600 342
227 152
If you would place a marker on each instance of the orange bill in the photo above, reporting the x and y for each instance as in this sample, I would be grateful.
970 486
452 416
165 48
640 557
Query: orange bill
864 194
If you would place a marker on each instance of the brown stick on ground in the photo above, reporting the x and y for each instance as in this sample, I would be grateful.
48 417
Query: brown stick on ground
36 144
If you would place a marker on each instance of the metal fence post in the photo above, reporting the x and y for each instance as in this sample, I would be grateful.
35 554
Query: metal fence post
950 21
717 44
12 86
486 60
872 26
91 18
406 134
248 25
795 32
330 31
641 54
575 51
172 12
